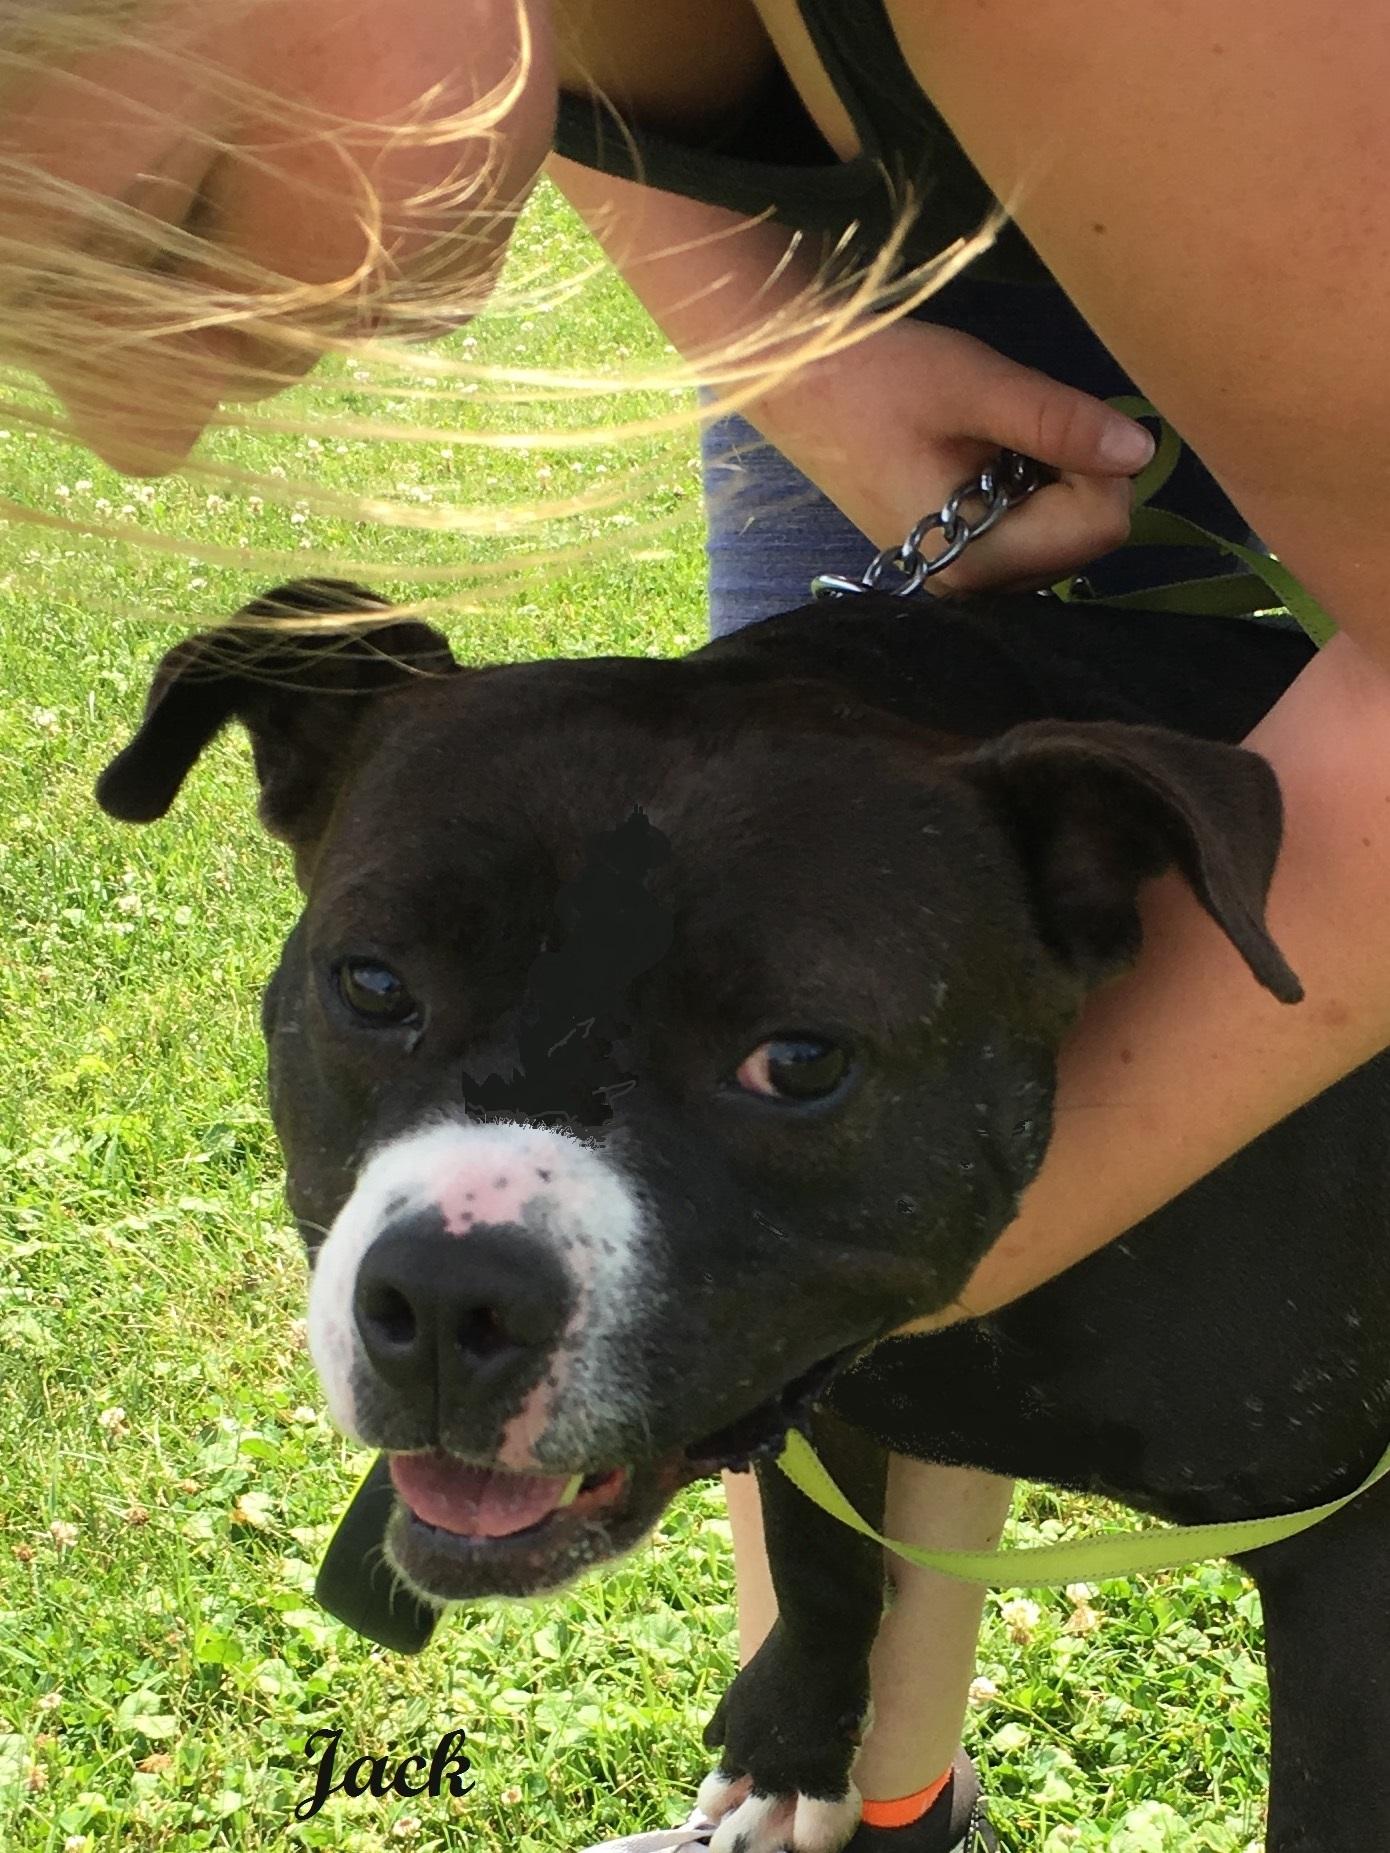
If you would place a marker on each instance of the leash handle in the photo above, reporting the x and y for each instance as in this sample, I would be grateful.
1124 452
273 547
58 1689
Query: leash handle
1157 527
905 569
1087 1560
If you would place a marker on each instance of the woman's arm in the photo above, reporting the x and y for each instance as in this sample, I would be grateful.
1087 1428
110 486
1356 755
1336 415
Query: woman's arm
1180 1063
1207 180
888 427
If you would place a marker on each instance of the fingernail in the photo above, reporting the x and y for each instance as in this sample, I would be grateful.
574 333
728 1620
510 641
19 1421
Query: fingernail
1126 446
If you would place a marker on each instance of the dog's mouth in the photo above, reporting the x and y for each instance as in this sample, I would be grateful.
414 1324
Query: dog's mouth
492 1503
466 1530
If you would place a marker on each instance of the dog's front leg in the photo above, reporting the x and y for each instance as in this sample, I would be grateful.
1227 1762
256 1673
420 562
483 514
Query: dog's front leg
790 1724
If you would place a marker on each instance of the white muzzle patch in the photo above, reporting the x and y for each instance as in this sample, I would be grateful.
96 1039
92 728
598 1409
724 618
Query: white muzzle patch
541 1180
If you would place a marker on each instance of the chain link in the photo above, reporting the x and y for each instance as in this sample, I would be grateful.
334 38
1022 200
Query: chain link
905 569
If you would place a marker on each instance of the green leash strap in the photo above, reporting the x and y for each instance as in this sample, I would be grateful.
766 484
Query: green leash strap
1155 527
1265 584
357 1586
1087 1560
1224 595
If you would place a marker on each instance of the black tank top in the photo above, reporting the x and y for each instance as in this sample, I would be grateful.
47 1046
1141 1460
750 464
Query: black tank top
773 160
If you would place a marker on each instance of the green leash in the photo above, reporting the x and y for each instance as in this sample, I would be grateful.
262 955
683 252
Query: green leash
1087 1560
1265 584
357 1586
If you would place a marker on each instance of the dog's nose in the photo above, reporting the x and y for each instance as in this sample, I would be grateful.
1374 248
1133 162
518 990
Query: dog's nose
459 1327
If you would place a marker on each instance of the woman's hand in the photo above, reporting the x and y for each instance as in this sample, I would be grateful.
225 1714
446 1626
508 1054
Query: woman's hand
892 424
890 427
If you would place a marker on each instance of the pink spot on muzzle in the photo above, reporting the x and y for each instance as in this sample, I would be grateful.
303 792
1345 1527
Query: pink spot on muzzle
521 1434
482 1194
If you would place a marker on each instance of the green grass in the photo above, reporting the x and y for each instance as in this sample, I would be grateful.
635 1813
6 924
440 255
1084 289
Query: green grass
169 1479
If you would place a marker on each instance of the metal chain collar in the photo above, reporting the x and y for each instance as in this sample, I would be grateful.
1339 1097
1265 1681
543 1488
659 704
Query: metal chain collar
905 569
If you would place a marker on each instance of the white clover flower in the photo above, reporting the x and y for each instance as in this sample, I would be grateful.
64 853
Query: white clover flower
1021 1618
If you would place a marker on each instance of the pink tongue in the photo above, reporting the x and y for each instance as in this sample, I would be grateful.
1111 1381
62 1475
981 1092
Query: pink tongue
475 1502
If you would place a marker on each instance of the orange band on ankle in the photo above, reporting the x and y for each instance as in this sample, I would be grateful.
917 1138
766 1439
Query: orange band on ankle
907 1808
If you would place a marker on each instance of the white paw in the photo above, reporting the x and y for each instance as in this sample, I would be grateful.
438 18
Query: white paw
750 1823
718 1794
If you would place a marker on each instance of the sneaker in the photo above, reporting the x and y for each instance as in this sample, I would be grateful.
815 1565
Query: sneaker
958 1822
697 1829
980 1836
694 1831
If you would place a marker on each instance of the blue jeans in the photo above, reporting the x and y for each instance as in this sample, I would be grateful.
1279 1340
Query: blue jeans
770 530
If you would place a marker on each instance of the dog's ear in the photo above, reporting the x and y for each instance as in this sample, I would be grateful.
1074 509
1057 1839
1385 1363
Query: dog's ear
301 693
1096 809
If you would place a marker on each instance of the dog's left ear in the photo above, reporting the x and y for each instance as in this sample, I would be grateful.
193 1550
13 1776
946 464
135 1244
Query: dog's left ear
1096 809
301 693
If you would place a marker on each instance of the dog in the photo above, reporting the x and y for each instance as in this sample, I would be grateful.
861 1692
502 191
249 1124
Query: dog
657 1036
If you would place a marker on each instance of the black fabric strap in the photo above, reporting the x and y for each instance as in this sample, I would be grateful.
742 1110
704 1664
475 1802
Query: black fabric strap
772 161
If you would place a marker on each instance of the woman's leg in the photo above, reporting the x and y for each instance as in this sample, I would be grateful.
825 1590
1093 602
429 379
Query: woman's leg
768 530
924 1658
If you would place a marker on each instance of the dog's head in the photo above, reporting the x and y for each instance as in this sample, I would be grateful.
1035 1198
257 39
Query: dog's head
656 1035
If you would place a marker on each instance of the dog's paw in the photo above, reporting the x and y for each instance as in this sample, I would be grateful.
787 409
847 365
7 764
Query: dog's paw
754 1823
787 1732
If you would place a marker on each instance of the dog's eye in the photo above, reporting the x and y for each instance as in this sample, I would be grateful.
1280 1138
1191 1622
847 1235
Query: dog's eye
373 991
794 1068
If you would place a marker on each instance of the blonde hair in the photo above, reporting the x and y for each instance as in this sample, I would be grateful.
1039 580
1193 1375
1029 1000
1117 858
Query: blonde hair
128 273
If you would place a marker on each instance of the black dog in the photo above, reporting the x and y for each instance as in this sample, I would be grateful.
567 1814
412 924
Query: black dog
658 1035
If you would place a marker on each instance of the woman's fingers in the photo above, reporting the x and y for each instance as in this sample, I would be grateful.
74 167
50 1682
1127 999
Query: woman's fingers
1069 431
1055 532
892 427
1094 449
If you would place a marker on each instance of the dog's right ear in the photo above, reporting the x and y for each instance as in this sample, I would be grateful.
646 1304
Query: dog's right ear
301 694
